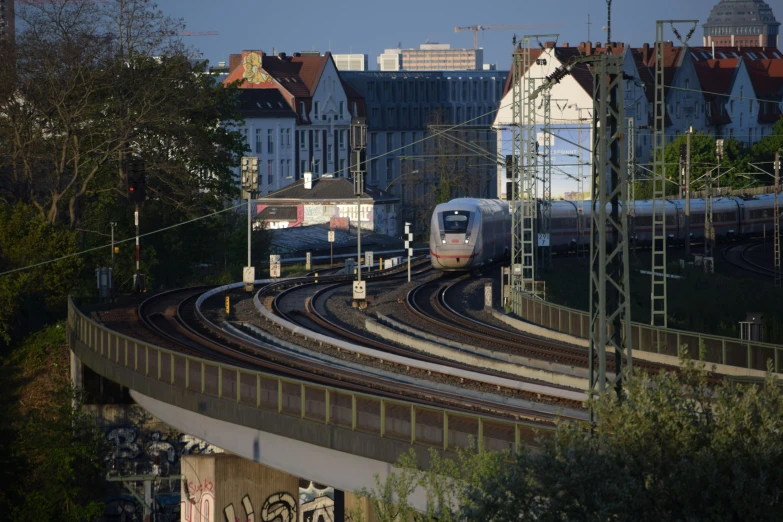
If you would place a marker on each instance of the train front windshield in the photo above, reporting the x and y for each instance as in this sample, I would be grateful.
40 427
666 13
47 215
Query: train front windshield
455 221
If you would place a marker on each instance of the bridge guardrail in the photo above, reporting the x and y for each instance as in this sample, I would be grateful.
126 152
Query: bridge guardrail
646 338
400 420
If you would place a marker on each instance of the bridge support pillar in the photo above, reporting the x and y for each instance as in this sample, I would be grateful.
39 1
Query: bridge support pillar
354 505
222 487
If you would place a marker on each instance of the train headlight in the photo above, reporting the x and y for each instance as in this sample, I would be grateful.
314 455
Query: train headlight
467 240
443 241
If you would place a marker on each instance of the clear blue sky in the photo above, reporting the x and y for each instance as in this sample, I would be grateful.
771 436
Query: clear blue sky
370 26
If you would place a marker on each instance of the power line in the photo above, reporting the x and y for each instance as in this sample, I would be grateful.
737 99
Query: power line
42 263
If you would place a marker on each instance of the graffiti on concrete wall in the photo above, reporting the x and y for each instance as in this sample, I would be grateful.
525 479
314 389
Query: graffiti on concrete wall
247 505
198 502
139 451
280 507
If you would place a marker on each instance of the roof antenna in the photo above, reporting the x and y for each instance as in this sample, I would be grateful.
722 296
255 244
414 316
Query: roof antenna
608 23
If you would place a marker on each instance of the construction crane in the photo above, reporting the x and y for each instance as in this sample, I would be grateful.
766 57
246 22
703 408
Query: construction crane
499 27
203 33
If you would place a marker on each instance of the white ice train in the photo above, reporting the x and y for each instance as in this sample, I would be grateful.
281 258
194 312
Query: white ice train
469 233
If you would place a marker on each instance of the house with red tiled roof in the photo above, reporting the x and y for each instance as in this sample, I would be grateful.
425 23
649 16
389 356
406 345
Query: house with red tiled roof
316 140
726 92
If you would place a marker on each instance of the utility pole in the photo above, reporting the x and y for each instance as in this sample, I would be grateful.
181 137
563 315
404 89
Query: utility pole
709 228
776 230
545 225
658 297
137 193
358 162
688 192
631 192
249 186
610 304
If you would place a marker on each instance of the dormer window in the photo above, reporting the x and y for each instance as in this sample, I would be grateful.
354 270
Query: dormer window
315 110
304 112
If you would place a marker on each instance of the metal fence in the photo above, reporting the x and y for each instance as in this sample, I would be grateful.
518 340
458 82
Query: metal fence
429 426
646 338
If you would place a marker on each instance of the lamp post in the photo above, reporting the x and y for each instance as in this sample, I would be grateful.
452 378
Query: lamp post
249 185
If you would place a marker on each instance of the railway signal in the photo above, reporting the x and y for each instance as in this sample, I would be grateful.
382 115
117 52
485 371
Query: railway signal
249 176
137 179
136 172
408 247
358 162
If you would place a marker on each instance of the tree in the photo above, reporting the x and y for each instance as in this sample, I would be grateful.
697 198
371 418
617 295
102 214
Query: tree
457 162
89 83
676 447
703 160
51 466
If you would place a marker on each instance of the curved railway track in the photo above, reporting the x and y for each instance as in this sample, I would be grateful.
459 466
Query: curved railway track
435 309
738 255
175 317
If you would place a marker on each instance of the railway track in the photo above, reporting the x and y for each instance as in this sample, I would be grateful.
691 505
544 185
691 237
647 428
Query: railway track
738 255
436 310
175 317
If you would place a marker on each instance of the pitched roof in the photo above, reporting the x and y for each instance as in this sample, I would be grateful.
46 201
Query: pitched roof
582 72
264 103
328 189
716 78
277 213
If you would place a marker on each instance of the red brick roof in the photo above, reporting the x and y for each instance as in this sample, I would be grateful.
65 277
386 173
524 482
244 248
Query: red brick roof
716 78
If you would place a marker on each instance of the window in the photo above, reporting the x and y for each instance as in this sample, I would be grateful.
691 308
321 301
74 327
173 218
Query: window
341 138
317 140
244 133
329 153
389 169
342 169
317 167
373 143
342 110
259 143
302 166
302 108
389 141
403 139
270 141
374 170
287 137
376 115
687 84
303 140
315 110
731 106
268 171
287 168
282 168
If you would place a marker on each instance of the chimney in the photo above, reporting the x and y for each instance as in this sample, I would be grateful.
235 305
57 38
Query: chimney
549 45
581 46
234 61
281 56
589 49
297 55
565 44
308 180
